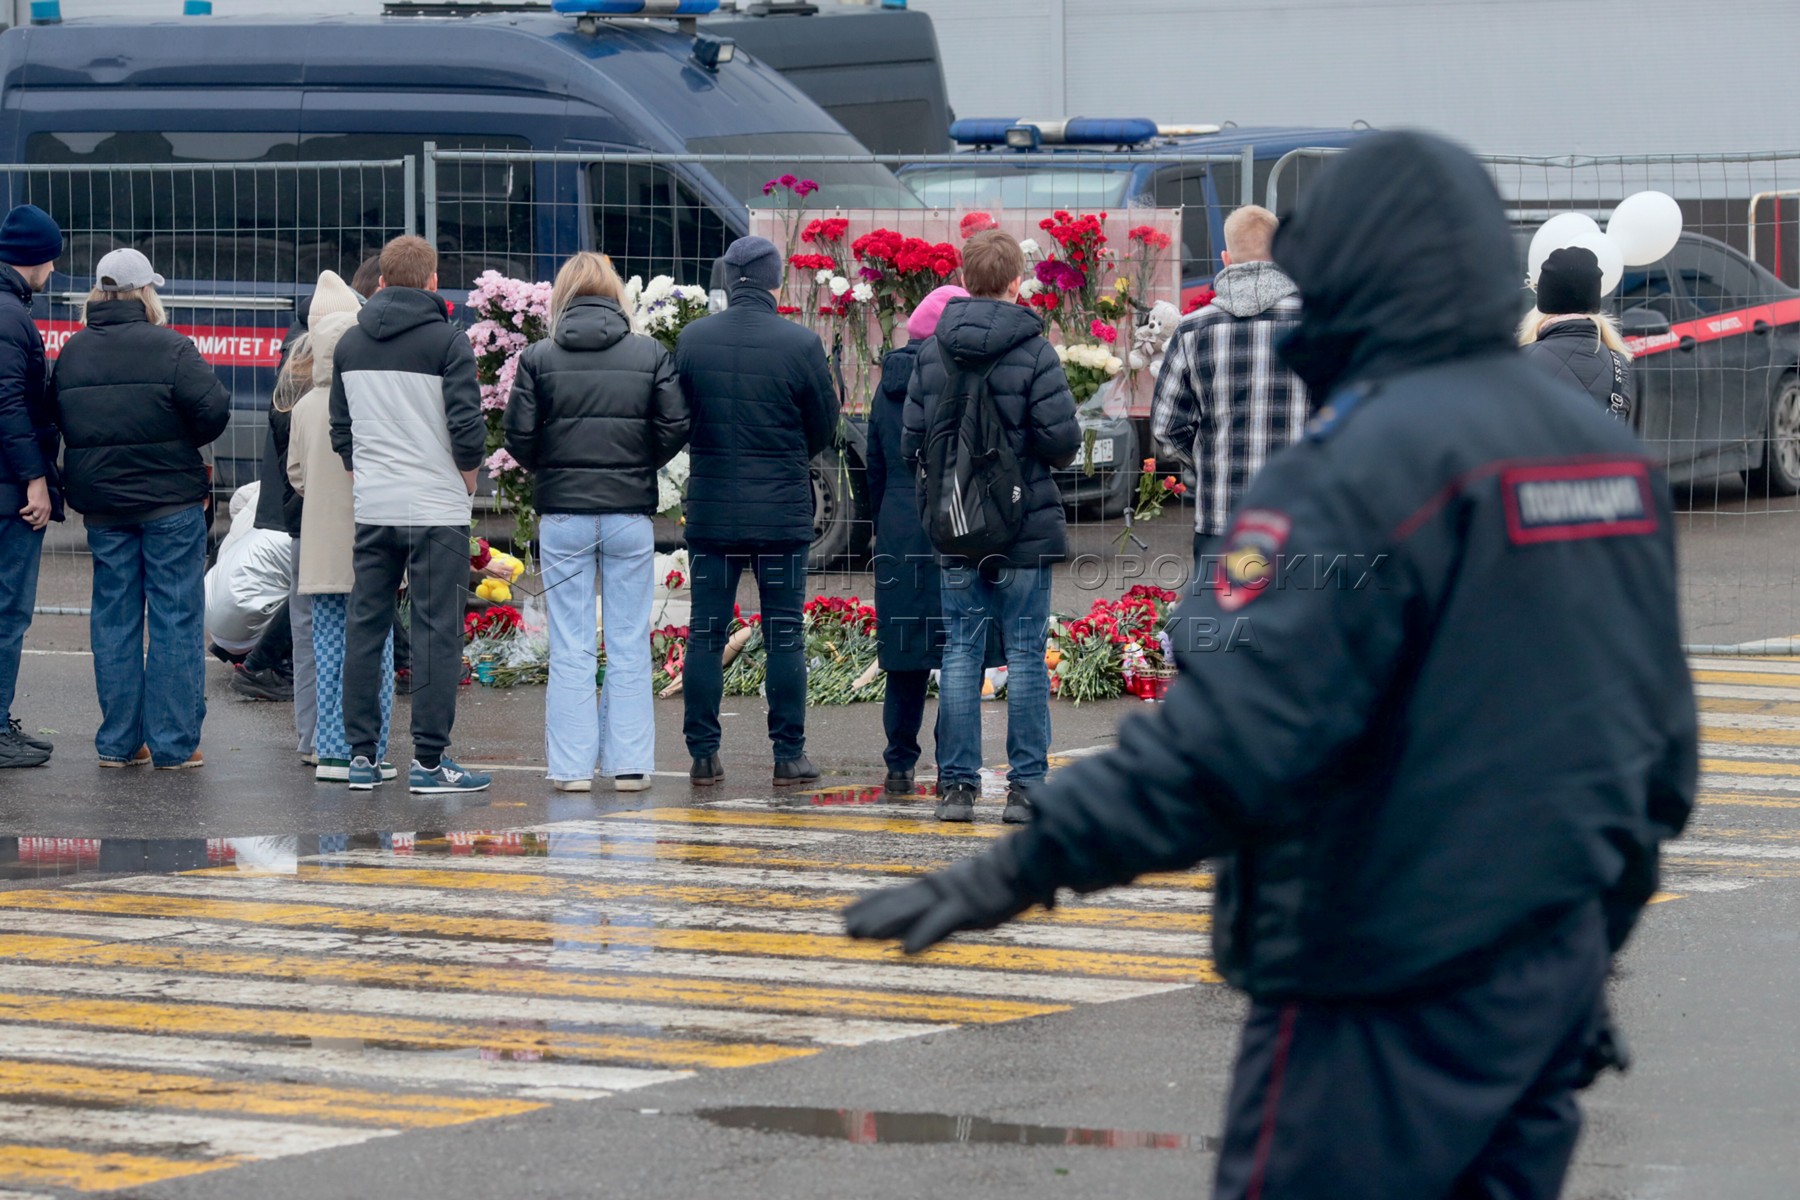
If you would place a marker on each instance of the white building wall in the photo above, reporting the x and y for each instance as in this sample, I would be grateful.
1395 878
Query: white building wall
1504 76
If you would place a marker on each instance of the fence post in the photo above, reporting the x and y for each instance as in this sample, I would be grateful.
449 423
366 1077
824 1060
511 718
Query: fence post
429 232
1247 178
409 174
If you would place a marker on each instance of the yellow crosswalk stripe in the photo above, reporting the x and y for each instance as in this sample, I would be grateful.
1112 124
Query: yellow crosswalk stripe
419 874
65 1083
896 1006
225 1020
82 1171
1168 968
1747 766
1749 678
778 819
1768 708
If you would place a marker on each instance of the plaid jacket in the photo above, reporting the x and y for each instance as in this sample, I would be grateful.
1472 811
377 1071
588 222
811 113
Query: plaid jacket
1224 403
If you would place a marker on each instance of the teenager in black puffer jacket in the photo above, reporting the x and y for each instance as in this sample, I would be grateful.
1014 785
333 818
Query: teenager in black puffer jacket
136 403
595 410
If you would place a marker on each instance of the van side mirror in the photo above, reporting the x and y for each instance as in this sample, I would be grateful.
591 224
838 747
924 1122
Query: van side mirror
1643 321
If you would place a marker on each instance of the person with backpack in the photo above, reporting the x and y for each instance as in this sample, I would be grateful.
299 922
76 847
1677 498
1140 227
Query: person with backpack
988 417
762 405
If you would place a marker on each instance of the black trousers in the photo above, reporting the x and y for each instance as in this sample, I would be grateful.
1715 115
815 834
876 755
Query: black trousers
780 572
1467 1096
434 560
902 714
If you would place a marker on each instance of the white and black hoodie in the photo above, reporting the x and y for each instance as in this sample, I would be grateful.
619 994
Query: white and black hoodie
406 411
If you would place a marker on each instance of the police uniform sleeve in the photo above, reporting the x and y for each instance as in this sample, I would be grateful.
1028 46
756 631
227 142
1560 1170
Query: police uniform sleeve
1281 668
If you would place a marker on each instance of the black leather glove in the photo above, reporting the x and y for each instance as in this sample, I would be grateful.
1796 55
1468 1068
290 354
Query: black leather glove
976 893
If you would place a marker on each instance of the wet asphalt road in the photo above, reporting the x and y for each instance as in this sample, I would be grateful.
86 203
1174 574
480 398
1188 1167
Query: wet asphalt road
332 984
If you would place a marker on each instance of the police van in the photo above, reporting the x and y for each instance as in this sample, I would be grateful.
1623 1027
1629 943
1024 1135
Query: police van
103 120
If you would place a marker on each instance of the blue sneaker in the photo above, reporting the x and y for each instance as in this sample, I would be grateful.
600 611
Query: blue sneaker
364 776
446 777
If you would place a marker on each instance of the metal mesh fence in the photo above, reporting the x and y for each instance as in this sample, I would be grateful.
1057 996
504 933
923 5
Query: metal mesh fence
523 214
238 243
1715 332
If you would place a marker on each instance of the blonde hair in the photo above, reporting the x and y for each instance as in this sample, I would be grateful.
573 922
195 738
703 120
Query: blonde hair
1250 234
1607 333
153 306
295 378
585 274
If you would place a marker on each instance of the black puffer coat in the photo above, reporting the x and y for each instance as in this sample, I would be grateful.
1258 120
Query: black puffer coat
135 402
1032 394
1573 352
763 405
28 438
1399 770
911 632
278 506
594 412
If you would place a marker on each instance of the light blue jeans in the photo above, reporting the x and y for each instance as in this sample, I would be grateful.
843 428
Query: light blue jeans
1018 602
618 730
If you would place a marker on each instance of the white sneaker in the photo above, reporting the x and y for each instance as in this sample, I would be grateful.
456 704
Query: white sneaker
631 783
572 785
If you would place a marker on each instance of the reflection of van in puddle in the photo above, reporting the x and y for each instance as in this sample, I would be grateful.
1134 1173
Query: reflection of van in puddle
239 242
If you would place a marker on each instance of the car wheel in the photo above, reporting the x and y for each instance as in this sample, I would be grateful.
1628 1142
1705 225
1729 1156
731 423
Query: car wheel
841 526
1779 474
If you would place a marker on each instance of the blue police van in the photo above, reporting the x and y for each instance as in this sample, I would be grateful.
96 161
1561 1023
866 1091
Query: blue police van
99 116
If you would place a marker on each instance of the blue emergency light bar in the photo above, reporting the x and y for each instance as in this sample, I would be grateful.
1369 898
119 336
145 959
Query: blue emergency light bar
46 12
1076 131
635 8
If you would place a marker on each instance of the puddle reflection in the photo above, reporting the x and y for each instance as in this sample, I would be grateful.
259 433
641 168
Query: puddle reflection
913 1129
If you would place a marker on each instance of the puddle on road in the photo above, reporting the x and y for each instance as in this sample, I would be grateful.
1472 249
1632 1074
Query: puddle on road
919 1129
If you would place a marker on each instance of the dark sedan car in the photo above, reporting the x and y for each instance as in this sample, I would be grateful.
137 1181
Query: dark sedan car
1716 341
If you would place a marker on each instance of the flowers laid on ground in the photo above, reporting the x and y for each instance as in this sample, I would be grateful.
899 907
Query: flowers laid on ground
1152 494
510 315
1101 655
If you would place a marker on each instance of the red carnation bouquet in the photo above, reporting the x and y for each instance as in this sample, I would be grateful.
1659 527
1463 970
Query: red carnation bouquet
906 268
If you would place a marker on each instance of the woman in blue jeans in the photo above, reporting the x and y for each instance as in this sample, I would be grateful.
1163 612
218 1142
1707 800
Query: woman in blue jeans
136 403
595 410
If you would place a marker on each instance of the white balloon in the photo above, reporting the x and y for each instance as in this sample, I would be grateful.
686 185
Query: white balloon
1612 263
1564 229
1646 227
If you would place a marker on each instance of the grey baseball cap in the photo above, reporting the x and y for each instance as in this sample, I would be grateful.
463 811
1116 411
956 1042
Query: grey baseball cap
125 271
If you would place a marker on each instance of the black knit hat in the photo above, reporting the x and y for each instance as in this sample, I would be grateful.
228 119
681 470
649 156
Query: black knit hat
1569 282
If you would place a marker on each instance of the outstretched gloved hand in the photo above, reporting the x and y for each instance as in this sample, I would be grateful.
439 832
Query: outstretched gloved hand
976 893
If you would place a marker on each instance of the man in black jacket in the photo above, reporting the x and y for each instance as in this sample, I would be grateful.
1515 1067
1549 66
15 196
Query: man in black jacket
990 332
1430 847
30 497
762 406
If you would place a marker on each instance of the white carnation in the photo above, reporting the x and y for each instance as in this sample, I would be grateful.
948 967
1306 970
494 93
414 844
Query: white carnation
839 285
862 293
1029 288
823 276
1031 248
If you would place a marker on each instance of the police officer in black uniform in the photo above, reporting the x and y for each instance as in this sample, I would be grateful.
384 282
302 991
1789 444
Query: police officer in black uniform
1436 764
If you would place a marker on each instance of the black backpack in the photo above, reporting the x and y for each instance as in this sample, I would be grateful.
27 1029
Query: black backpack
971 493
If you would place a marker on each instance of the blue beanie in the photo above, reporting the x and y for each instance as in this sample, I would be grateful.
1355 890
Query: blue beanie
29 237
754 260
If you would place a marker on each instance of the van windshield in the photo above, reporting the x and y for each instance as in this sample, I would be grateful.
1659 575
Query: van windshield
997 185
841 185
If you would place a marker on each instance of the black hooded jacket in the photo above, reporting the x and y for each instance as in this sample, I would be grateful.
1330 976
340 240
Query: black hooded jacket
1032 395
594 412
135 403
1438 696
28 436
762 406
1573 352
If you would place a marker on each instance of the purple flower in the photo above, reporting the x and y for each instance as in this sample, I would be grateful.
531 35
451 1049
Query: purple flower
1059 275
771 186
788 181
805 187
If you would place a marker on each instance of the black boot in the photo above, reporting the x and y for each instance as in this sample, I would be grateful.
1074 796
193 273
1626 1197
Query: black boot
795 770
1018 807
957 803
899 783
262 685
706 771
